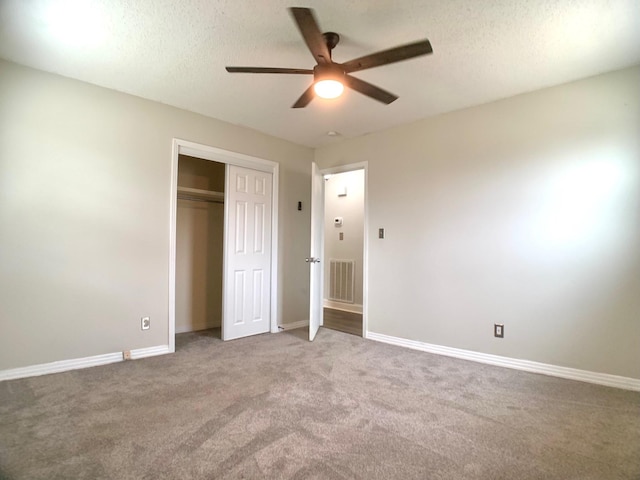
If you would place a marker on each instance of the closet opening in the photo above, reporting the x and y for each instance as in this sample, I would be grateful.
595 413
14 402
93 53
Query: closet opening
200 225
223 244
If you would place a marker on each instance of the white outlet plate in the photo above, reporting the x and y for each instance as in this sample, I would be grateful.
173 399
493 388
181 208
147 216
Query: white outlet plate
145 323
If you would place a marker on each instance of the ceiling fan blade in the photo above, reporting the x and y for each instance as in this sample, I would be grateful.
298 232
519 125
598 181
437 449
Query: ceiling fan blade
392 55
301 71
310 31
305 98
369 90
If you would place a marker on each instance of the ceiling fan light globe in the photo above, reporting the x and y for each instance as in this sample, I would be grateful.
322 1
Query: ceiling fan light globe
328 88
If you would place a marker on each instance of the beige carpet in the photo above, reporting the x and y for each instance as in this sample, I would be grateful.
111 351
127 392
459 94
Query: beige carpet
276 406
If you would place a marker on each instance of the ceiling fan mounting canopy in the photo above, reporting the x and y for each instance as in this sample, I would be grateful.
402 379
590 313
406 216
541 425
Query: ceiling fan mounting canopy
331 39
321 44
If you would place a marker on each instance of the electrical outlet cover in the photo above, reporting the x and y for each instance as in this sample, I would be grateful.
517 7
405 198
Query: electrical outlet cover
145 323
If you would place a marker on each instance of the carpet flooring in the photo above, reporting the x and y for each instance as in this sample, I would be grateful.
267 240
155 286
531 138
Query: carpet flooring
278 407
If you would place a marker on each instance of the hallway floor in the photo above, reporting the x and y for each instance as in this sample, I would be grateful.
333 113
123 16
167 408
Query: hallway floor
342 321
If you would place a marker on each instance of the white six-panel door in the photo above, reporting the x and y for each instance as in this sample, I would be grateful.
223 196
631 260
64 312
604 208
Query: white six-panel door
247 283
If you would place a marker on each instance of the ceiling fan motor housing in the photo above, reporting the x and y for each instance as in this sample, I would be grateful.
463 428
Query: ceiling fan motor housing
328 71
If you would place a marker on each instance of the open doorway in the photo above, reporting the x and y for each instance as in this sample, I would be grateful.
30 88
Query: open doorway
344 228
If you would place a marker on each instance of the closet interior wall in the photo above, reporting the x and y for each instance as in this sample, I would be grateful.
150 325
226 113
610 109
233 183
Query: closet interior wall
199 246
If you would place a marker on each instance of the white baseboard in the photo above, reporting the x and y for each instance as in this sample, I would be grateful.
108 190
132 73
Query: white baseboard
77 363
514 363
149 352
345 307
293 325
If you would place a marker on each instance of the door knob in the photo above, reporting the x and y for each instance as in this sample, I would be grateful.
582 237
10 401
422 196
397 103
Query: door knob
312 260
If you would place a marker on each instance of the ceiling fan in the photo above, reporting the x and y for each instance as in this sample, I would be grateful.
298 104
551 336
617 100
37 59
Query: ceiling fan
329 77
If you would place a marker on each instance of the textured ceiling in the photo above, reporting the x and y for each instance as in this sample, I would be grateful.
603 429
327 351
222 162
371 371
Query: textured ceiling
175 51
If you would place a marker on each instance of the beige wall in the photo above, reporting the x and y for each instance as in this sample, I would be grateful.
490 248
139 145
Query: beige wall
351 209
524 212
84 215
199 247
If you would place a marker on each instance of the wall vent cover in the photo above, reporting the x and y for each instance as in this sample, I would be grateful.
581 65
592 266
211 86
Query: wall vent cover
342 280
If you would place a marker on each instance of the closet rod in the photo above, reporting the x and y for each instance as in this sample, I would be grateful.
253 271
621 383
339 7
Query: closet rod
197 194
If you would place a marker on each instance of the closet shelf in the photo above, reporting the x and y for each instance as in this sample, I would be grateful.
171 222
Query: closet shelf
186 193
